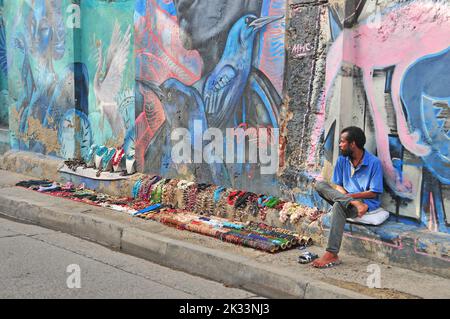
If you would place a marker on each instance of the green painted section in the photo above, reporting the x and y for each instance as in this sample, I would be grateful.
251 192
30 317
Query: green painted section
98 21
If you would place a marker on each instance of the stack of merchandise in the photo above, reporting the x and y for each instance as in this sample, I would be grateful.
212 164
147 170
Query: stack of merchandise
104 159
198 208
255 235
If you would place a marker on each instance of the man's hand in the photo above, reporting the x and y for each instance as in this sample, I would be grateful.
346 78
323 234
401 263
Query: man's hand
360 207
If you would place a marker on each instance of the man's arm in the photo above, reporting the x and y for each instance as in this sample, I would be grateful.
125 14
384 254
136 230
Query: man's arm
341 189
363 195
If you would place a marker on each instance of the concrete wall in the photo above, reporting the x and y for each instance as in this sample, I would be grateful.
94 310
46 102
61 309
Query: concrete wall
132 72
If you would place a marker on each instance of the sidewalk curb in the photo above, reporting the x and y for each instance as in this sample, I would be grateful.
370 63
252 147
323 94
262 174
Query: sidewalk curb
229 269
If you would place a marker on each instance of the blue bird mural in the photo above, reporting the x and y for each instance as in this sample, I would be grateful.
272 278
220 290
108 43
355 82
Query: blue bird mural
225 85
183 108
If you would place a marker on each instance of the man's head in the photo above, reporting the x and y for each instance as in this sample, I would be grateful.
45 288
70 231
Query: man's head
352 138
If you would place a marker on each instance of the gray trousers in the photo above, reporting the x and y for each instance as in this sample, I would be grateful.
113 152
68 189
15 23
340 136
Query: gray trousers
342 209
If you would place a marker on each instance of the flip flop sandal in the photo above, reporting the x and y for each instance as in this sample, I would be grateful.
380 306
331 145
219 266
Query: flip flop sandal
307 257
329 265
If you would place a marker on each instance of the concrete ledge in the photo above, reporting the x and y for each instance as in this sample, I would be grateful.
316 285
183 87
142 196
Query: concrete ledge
31 164
232 270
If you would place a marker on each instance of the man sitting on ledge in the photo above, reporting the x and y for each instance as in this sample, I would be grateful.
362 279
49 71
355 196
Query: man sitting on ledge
358 176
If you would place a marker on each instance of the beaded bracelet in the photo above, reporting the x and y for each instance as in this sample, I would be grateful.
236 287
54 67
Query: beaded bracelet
266 227
232 198
261 200
157 191
143 190
217 193
136 188
192 197
241 202
210 202
200 202
151 186
168 196
221 206
271 203
252 206
205 203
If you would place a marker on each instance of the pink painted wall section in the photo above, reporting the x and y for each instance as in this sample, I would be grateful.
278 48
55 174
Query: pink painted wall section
407 46
159 55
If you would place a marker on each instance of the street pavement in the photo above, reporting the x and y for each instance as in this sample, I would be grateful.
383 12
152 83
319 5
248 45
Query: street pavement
40 263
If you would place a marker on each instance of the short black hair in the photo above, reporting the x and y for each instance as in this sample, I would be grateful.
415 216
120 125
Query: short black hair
355 134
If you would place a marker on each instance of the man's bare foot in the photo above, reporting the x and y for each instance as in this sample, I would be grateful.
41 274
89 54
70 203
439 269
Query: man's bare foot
360 207
326 259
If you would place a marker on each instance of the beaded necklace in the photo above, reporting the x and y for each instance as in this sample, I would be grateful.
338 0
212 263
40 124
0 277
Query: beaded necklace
101 151
192 197
118 156
204 203
217 193
168 193
153 181
222 203
92 151
108 157
157 191
271 203
136 188
232 198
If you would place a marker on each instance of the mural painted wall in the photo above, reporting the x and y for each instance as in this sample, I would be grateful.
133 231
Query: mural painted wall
214 64
134 71
387 69
40 74
107 52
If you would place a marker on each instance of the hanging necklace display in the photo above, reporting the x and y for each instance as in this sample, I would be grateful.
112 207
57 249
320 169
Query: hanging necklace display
90 160
118 159
108 159
222 203
130 163
101 151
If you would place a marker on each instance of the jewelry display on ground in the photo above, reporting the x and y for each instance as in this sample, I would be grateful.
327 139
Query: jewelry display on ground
199 208
101 163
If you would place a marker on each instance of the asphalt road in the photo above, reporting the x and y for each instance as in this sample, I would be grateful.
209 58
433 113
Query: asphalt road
36 262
